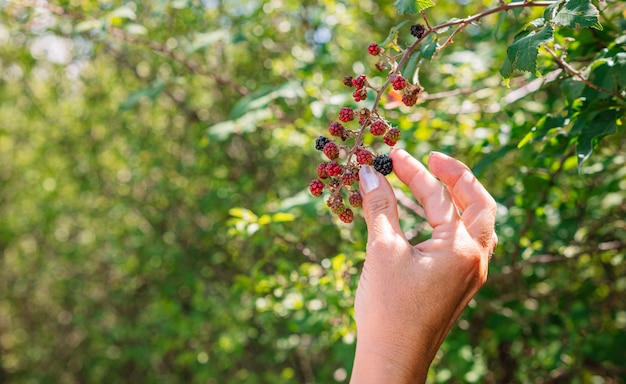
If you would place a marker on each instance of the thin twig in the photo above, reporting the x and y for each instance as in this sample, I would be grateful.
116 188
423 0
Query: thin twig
572 71
191 64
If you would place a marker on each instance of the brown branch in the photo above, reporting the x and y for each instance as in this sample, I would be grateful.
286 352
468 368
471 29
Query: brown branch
191 64
572 71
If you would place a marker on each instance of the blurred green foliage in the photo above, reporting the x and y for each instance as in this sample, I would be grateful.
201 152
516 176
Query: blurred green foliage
155 220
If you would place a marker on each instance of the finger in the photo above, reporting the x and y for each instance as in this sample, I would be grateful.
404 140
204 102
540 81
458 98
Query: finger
380 209
477 205
425 187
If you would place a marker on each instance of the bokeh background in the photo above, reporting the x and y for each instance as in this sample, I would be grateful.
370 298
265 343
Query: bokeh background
155 223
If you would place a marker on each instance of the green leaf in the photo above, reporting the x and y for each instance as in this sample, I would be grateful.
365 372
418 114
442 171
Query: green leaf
544 125
425 4
620 68
392 37
243 213
410 68
578 14
597 126
136 29
412 6
429 46
204 40
507 69
123 13
551 10
263 98
151 92
522 54
88 25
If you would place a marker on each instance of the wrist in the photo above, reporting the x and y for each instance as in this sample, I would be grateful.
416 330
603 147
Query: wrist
388 361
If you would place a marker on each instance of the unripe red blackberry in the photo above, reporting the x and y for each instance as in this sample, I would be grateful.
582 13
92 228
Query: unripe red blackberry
411 94
336 129
364 157
347 81
378 128
359 82
321 171
346 114
392 136
359 95
349 178
331 150
316 187
409 99
374 49
333 169
320 142
383 164
356 200
418 30
399 83
335 203
346 216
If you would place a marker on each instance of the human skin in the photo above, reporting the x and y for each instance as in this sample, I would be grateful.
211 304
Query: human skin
409 296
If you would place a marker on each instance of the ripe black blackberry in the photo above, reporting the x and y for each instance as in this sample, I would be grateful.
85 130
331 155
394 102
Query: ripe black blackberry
417 30
320 142
383 164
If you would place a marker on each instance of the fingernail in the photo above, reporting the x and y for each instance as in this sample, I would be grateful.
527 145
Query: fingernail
442 155
369 178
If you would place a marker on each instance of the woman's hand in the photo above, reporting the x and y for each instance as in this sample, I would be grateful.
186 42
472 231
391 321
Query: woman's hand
408 296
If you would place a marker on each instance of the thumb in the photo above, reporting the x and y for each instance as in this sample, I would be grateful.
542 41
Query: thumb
379 207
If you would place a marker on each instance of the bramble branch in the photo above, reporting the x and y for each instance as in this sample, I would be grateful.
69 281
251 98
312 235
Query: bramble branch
572 71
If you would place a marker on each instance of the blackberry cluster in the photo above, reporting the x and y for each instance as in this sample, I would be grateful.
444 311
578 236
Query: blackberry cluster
344 147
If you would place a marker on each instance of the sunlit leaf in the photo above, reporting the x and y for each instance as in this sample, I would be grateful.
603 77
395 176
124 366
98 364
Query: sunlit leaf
596 126
522 54
412 6
578 14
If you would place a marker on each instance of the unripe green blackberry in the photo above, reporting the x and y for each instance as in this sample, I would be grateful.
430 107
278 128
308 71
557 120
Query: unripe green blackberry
383 164
331 150
378 128
335 203
355 199
392 136
316 187
320 142
346 216
364 157
346 114
336 129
